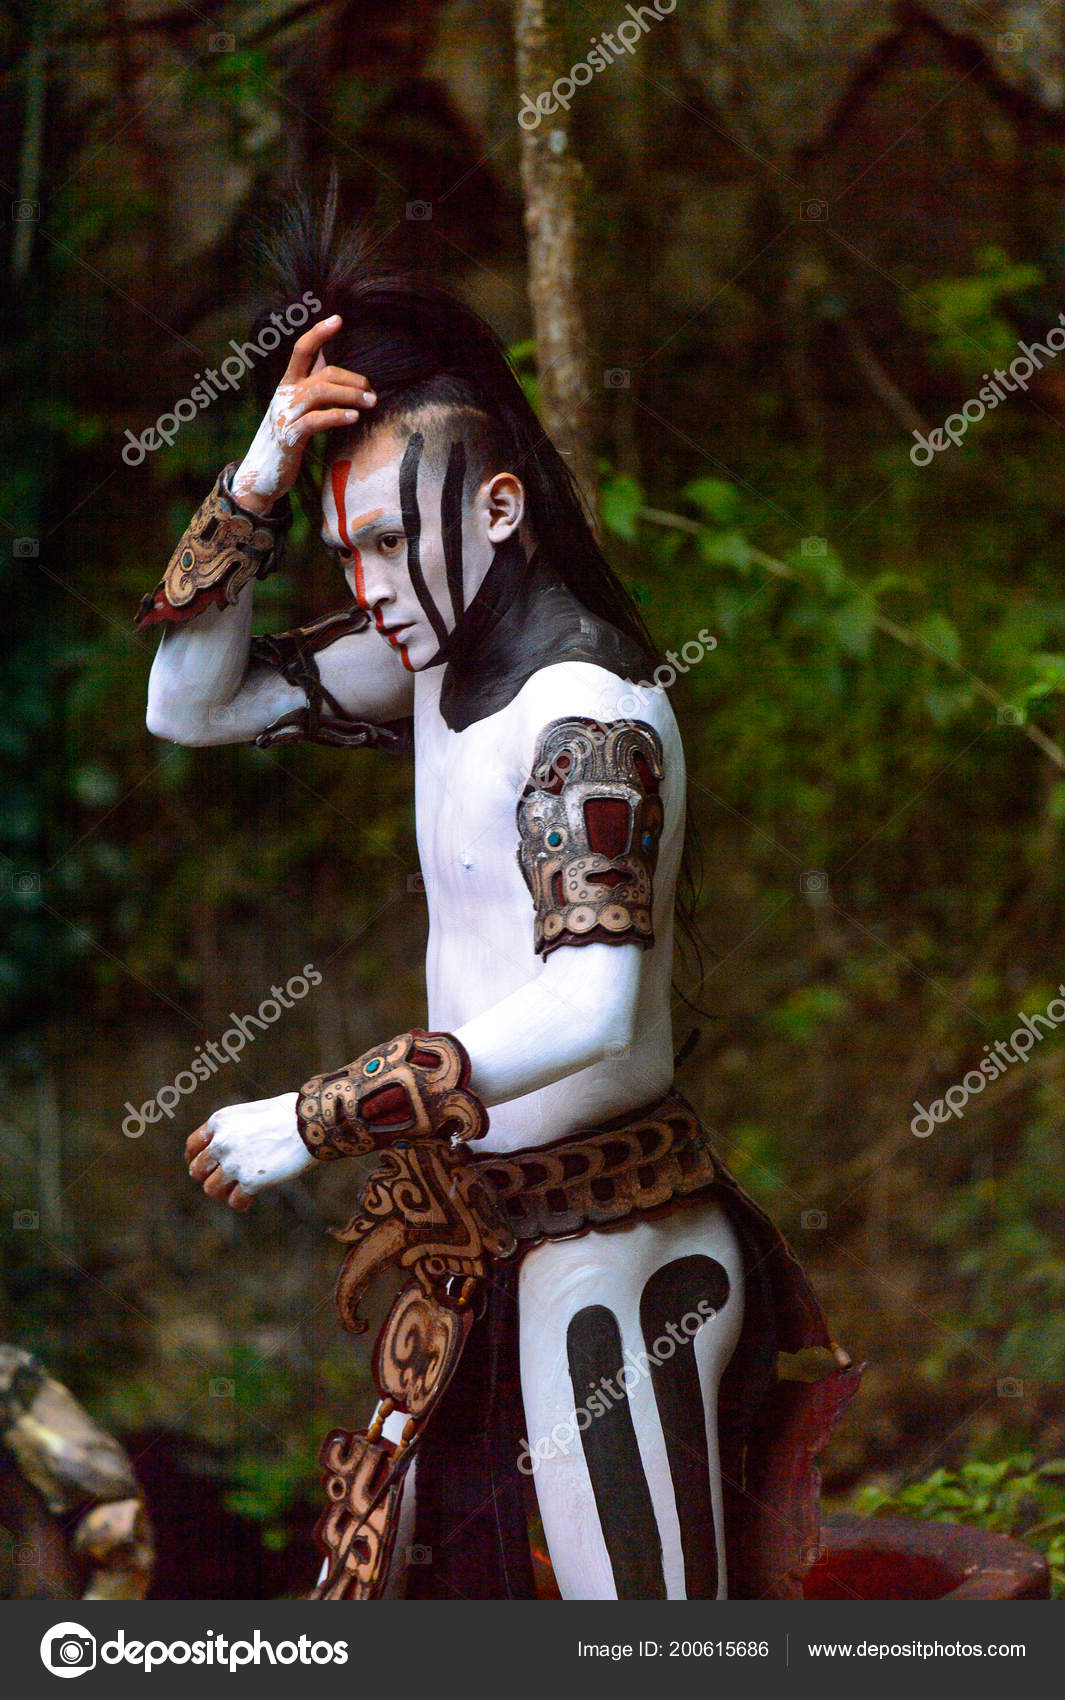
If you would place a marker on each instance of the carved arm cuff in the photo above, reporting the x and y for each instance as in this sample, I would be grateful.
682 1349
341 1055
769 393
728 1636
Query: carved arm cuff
589 823
223 548
414 1087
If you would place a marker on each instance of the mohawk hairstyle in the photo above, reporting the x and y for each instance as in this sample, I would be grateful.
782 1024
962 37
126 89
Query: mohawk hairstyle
421 348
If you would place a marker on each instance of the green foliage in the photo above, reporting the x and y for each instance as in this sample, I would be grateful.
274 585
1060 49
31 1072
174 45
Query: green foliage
522 356
807 1009
620 501
961 318
1012 1496
1005 1240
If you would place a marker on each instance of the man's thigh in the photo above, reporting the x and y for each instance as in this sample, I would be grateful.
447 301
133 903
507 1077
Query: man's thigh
624 1337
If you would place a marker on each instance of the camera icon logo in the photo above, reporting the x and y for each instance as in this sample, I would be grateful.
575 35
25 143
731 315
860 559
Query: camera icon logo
25 212
26 548
68 1649
27 1220
813 883
222 42
1011 42
814 548
222 1387
1007 715
812 212
813 1219
419 1554
419 212
617 378
415 884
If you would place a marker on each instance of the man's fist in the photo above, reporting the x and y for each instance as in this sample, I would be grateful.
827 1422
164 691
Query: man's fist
240 1150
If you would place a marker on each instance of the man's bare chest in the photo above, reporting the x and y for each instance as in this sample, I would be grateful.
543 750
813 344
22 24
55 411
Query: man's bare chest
467 787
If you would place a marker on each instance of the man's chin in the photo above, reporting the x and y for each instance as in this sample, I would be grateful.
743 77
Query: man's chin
421 653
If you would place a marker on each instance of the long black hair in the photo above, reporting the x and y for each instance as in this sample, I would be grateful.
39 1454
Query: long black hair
404 333
411 339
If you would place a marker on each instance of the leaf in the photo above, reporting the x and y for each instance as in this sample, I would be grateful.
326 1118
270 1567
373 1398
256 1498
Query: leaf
818 562
620 500
854 622
940 635
715 497
725 549
1050 676
946 702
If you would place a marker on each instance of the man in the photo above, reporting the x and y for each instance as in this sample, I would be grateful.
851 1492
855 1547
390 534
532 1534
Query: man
550 832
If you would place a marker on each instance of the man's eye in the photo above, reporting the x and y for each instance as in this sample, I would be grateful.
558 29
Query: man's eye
390 541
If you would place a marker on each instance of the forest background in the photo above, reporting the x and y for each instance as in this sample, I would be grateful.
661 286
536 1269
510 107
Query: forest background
810 230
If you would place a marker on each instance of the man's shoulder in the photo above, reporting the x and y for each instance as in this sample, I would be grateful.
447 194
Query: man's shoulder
583 690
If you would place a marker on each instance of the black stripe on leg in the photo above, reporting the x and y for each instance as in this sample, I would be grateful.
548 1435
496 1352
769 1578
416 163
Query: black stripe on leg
672 1296
622 1497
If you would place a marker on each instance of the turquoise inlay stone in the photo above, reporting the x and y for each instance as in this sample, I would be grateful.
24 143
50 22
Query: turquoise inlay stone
554 839
374 1065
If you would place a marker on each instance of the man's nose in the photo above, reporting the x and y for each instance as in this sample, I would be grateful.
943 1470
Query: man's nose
370 587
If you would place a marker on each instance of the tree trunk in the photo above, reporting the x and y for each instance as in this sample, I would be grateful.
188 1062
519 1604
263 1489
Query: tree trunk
554 185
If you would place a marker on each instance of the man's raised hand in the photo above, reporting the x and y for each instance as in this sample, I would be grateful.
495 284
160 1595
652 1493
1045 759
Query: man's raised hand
310 397
246 1147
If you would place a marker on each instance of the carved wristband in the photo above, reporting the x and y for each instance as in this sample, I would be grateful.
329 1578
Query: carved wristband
223 548
413 1087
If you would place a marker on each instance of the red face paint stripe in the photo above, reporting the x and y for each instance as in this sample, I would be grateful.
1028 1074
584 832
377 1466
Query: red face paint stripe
339 476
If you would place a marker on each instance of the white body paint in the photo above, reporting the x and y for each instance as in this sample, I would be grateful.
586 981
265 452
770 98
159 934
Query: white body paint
555 1045
561 1278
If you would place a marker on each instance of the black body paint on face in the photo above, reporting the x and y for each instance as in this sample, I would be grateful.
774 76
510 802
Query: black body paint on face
622 1497
451 525
412 525
669 1296
522 618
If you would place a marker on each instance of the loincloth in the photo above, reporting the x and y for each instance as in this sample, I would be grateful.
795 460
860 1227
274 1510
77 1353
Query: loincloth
459 1224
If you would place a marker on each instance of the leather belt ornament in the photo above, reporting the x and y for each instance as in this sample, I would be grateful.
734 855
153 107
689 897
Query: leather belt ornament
444 1217
426 1211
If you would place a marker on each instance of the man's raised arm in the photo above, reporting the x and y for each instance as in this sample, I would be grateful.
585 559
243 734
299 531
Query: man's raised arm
211 682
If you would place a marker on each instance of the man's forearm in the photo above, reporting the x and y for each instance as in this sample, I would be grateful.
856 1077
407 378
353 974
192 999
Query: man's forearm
198 668
580 1008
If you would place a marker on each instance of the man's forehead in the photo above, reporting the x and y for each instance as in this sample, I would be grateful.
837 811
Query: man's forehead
364 476
359 488
366 457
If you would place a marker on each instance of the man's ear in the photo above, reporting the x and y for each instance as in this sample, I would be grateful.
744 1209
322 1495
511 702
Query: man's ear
502 500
